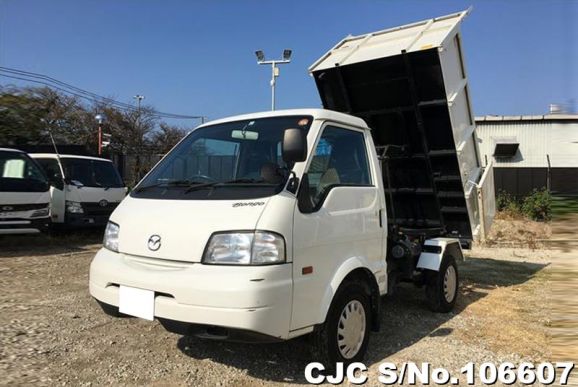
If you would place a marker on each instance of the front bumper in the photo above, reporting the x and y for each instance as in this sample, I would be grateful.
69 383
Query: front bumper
251 298
24 225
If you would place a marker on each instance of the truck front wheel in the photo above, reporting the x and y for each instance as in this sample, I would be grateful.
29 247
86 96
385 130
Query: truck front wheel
442 286
345 334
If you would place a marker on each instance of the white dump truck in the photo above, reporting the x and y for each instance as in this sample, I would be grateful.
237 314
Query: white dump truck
270 226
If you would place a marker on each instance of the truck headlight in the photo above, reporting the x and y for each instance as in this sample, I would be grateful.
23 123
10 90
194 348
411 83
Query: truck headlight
110 240
74 207
245 248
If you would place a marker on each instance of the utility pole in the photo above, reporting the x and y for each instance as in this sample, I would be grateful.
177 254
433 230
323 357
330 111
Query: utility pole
99 118
274 69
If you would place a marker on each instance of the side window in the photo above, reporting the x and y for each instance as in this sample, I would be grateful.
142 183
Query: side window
340 159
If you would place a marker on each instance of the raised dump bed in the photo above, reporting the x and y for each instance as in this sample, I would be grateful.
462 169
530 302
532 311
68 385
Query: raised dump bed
410 85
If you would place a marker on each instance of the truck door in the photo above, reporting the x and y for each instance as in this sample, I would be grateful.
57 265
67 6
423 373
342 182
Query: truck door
57 195
341 223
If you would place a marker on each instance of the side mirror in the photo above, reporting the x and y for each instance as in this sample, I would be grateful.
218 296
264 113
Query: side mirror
294 147
56 183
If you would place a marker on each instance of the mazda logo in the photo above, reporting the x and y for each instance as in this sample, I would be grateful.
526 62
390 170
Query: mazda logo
103 203
154 242
7 208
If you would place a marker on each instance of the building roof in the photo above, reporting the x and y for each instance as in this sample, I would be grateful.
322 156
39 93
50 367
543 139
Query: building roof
544 117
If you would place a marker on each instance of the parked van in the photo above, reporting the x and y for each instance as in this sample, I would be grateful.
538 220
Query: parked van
91 188
24 194
270 226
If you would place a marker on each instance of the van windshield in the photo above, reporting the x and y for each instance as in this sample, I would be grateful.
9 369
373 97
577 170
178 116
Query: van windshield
91 173
19 173
233 160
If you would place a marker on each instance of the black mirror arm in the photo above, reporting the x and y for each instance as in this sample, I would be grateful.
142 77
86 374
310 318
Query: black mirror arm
303 199
293 182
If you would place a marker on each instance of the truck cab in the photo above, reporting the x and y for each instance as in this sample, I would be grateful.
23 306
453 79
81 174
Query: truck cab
24 194
87 189
261 227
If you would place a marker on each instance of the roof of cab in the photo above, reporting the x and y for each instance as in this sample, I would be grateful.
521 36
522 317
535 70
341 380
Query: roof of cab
318 114
11 150
65 156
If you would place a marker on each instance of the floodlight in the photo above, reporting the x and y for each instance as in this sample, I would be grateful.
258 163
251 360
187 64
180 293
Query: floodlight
286 54
260 55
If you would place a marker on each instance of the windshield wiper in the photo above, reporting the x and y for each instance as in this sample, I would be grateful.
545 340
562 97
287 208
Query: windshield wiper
174 183
244 180
212 184
197 186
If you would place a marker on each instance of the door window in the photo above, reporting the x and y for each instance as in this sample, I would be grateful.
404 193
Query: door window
340 159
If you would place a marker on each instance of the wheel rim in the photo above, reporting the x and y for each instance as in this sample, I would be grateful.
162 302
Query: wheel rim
450 283
351 329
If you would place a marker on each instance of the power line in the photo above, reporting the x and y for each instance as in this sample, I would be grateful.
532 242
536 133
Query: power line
81 93
48 81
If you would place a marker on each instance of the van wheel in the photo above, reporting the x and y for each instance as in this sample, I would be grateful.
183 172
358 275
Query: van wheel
345 334
442 286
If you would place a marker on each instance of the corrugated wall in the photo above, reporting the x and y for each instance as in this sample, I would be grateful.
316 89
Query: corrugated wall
536 138
528 169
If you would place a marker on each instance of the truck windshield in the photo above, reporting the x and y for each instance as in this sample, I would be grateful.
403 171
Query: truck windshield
233 160
19 173
91 173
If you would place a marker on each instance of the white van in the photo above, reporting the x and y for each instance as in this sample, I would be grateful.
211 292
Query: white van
90 188
270 226
24 194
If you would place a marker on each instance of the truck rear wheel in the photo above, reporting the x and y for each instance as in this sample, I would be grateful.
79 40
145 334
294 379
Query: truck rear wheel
442 286
345 334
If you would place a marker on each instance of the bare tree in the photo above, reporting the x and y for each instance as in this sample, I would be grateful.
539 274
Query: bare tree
164 139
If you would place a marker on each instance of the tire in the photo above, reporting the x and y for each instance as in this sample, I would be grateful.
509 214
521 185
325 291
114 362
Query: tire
442 286
326 339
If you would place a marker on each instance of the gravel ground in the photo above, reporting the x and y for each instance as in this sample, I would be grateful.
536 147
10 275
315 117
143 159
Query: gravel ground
53 333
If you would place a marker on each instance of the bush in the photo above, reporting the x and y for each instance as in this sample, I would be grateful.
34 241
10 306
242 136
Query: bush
538 205
535 206
507 203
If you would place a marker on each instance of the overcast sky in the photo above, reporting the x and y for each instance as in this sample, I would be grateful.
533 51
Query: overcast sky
197 57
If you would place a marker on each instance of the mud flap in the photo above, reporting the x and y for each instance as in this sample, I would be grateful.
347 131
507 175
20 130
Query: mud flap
433 252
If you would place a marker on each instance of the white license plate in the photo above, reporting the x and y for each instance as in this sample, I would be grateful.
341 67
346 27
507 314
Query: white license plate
136 302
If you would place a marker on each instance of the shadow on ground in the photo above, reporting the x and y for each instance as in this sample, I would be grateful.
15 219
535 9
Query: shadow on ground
405 320
61 242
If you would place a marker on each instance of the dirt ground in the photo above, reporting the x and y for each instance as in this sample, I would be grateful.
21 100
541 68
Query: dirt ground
53 333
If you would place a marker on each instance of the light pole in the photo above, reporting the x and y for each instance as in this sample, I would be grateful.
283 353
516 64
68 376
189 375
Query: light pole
99 118
274 69
139 98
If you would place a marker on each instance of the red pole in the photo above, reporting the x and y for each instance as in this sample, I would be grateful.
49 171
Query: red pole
99 139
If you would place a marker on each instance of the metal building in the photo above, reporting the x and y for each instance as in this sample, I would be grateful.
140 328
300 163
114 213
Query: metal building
531 152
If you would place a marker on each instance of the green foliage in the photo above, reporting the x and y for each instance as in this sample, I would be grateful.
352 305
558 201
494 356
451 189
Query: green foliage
506 202
535 206
538 205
